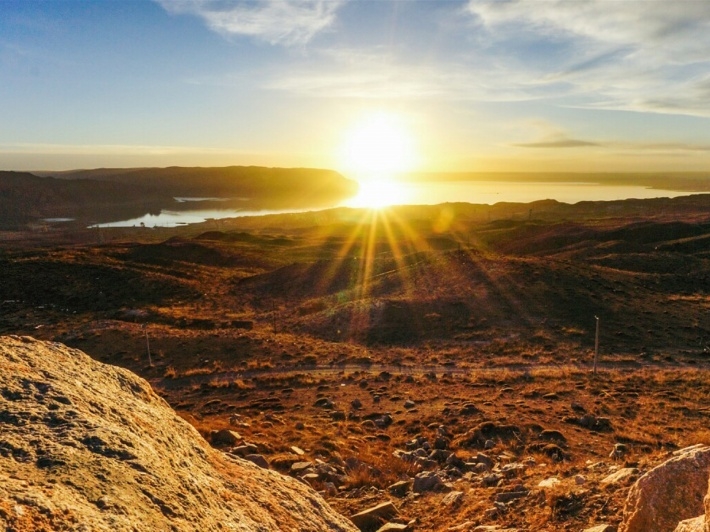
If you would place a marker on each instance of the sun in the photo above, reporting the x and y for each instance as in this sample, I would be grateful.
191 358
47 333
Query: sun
379 144
377 148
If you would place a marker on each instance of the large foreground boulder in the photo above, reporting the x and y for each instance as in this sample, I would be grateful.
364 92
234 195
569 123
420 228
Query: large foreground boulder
669 493
90 447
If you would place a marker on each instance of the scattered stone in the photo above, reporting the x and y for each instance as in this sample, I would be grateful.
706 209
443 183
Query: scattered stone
338 415
622 476
482 458
400 488
580 479
394 527
324 402
513 470
409 404
618 452
578 407
297 450
330 489
300 467
588 421
258 460
356 404
508 496
373 518
425 463
456 462
555 452
480 435
383 421
468 409
668 493
428 481
441 442
491 480
226 437
697 524
439 455
548 482
243 450
553 436
453 498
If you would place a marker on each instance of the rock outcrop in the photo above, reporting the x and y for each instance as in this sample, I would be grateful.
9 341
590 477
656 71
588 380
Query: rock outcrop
669 493
87 446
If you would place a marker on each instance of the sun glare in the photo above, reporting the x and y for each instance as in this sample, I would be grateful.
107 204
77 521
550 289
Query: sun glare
379 144
375 150
378 193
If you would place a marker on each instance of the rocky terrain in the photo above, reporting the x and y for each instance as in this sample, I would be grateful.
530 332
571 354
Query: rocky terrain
86 446
422 368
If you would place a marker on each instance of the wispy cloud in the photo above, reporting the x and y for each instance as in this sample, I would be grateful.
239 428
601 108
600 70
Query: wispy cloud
661 147
379 73
649 56
558 143
286 22
594 54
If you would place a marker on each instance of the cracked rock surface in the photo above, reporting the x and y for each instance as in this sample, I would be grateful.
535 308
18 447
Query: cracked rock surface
89 447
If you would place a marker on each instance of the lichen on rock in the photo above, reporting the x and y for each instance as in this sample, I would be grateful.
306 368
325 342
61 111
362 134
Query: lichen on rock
87 446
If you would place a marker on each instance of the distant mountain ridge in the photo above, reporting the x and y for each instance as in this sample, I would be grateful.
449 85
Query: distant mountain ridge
110 194
221 180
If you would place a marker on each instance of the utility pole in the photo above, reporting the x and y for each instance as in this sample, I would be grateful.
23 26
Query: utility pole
596 346
147 345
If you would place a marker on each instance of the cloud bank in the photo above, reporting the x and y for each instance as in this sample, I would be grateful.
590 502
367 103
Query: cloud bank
638 56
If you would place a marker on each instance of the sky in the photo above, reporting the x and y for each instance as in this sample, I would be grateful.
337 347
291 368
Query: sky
500 85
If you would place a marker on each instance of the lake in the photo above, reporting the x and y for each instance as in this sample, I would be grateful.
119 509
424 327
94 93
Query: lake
482 192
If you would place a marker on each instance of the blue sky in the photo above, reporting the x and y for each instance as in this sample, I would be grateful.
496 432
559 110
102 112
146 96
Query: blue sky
542 85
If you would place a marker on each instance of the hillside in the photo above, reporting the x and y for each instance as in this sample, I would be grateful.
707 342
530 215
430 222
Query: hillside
105 195
26 198
404 355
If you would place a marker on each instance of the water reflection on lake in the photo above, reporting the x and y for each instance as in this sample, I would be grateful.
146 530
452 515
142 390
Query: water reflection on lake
490 192
481 192
168 218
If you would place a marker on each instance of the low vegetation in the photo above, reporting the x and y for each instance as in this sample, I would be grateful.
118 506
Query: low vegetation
381 350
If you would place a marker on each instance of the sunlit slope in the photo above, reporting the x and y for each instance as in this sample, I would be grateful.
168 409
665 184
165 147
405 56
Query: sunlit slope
403 276
26 198
228 181
645 280
105 195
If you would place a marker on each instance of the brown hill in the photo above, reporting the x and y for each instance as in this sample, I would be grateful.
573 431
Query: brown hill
223 181
25 198
89 446
105 195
